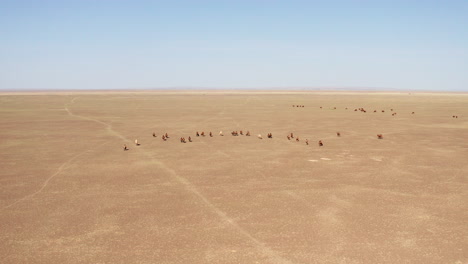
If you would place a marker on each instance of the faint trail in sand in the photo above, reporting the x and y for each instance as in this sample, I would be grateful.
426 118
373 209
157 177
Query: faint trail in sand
299 199
108 126
272 255
44 185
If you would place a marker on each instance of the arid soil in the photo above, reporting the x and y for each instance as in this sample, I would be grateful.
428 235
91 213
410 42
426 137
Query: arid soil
69 193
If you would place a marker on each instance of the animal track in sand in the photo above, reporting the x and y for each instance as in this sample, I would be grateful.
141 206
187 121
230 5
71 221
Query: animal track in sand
270 253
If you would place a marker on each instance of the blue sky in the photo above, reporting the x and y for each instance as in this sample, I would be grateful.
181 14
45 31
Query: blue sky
112 44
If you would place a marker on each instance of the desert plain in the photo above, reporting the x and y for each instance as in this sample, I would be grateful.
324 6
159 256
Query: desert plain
70 194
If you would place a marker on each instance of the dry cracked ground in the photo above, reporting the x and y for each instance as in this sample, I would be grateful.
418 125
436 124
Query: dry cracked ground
70 194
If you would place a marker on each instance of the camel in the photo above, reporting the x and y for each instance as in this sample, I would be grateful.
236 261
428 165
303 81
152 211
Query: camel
292 135
211 134
167 136
259 136
289 138
189 139
242 133
379 136
198 134
154 134
320 143
125 147
202 133
270 135
307 142
164 138
221 133
297 139
247 134
136 142
338 134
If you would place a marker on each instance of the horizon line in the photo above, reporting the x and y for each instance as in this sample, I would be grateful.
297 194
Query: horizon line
199 88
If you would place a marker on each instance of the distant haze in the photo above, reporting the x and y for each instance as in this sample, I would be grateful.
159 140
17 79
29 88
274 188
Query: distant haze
372 45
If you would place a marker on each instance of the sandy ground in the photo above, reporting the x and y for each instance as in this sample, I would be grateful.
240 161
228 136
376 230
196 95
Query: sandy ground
70 194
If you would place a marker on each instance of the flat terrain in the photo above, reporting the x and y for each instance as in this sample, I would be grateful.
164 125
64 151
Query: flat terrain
70 194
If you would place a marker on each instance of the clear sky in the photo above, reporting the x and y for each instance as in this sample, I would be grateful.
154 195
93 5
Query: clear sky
112 44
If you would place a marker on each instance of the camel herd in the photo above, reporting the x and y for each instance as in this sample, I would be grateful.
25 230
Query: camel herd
365 111
165 136
290 136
